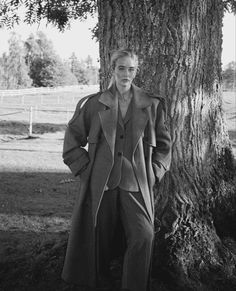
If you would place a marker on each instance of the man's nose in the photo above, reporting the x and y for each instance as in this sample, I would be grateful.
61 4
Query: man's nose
126 73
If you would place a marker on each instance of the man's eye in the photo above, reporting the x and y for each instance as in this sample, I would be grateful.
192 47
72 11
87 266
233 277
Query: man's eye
131 69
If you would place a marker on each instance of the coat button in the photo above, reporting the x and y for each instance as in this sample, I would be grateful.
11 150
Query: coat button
119 154
121 136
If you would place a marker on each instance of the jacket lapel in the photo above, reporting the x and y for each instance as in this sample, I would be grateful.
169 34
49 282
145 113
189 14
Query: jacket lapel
108 117
128 114
139 115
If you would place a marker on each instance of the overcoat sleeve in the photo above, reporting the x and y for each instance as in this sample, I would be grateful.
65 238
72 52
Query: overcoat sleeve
75 156
161 157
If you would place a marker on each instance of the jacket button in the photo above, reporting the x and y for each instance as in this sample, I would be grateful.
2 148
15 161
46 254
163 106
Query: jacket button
119 154
121 136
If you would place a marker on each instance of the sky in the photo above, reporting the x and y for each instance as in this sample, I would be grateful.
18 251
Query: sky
229 39
79 38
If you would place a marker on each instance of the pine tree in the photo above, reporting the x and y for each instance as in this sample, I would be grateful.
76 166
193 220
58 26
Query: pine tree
78 69
15 71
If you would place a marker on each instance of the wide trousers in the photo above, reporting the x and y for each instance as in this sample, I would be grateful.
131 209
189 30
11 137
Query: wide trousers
129 208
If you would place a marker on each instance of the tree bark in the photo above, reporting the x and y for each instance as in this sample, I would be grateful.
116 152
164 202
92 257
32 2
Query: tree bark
179 47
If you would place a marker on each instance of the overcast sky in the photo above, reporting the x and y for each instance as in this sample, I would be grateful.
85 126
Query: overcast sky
79 39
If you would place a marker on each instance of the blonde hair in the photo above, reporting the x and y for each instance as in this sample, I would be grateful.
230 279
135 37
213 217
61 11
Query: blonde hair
120 53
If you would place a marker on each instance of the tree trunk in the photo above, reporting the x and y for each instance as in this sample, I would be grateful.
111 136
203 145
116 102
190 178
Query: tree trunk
179 47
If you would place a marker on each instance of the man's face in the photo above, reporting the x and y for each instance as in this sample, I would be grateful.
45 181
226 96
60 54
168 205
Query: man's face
125 71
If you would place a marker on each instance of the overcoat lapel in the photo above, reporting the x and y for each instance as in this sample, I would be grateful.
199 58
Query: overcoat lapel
140 115
140 118
108 117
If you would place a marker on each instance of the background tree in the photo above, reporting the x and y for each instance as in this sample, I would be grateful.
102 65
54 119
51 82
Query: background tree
46 68
92 75
3 75
84 70
15 73
89 62
91 71
2 79
66 76
78 69
229 76
179 44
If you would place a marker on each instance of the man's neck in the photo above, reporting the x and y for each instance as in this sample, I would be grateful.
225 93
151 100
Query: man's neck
124 93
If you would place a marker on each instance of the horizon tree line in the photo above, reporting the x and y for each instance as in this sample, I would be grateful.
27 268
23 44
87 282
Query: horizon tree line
35 63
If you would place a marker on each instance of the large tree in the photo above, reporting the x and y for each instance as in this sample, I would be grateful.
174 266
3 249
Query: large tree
14 71
179 44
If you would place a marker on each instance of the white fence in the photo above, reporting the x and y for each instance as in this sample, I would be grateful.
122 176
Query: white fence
45 90
53 105
38 97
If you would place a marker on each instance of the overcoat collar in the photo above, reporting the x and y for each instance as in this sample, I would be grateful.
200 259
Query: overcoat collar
108 97
109 116
141 99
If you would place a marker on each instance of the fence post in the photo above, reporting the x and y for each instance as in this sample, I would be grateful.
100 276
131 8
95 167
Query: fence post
30 120
36 112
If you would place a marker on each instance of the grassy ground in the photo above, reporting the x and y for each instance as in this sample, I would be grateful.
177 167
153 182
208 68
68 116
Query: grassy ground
37 194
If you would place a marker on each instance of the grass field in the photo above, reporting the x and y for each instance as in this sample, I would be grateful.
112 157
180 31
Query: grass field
54 107
229 107
37 194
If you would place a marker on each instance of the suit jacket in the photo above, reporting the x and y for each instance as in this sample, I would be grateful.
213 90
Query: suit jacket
95 123
122 174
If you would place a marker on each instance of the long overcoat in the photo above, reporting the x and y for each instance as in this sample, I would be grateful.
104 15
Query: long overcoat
94 125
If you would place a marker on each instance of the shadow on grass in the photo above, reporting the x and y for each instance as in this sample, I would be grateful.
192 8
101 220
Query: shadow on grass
35 212
38 193
32 261
35 209
22 128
